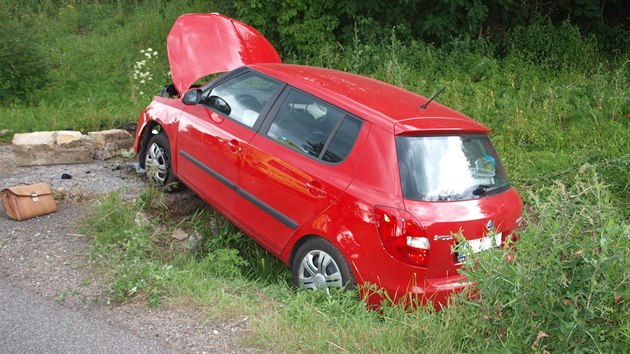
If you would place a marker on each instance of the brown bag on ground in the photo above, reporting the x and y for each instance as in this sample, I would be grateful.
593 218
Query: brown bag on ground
28 201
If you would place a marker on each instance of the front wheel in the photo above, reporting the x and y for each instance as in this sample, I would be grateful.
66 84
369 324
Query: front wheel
318 265
157 162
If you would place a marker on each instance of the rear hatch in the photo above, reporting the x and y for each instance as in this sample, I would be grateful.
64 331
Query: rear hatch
456 183
205 44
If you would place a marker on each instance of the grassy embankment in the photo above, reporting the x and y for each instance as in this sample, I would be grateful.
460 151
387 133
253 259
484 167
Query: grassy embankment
559 109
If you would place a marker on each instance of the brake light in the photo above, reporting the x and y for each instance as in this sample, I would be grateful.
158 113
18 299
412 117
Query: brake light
402 235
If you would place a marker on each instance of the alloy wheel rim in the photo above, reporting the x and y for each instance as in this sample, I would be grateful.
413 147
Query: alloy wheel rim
318 270
155 164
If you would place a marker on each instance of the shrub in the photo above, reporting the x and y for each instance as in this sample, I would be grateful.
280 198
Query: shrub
23 68
567 290
554 47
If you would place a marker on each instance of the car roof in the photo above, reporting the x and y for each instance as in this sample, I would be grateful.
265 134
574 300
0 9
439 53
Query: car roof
380 103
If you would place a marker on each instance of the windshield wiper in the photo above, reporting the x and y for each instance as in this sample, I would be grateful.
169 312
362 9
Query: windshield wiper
483 189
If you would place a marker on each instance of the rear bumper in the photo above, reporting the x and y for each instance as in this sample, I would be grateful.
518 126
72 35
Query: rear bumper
436 292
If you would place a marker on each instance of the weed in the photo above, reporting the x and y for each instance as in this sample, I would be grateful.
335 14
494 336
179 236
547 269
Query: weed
567 289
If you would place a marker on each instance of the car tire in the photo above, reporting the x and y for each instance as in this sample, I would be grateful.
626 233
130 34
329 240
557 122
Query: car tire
318 265
157 163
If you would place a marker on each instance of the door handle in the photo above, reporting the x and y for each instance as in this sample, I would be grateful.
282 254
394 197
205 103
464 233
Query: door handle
316 189
234 147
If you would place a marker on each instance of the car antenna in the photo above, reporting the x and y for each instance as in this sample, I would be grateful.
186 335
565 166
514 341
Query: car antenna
424 106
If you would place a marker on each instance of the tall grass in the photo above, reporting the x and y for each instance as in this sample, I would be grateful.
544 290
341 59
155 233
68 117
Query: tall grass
566 290
90 50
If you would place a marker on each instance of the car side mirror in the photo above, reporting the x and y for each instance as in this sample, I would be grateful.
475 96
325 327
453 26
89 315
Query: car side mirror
192 97
219 104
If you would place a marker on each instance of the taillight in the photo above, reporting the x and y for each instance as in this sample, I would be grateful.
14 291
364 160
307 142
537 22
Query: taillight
402 235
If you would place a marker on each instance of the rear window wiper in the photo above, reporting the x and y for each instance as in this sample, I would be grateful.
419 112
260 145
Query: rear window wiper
483 189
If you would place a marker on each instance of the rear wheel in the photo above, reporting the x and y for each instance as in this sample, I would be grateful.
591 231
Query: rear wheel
157 163
318 265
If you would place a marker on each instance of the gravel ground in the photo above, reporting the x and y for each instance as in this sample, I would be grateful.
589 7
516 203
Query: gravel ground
47 256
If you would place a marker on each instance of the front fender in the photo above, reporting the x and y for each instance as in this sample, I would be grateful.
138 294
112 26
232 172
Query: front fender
163 112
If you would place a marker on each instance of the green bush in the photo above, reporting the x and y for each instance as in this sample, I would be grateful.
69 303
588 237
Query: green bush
23 66
567 290
553 47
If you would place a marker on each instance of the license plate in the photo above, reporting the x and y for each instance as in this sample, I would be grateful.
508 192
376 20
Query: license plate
480 244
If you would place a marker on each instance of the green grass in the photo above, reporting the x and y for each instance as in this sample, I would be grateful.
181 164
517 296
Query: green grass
568 284
559 109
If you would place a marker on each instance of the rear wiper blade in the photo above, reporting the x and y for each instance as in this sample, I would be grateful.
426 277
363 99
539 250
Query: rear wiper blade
485 189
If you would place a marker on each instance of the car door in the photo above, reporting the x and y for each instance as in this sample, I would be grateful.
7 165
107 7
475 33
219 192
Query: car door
214 134
296 167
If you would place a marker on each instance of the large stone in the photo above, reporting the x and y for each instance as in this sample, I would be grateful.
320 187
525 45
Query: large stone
36 138
52 148
111 143
67 136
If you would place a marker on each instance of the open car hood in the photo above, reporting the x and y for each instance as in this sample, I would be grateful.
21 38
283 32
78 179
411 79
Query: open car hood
205 44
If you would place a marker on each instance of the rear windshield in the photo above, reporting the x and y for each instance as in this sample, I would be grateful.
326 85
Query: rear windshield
446 168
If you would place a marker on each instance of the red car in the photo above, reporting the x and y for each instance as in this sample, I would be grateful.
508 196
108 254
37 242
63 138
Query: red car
346 179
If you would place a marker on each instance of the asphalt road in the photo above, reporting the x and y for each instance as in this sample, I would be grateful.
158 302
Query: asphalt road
32 324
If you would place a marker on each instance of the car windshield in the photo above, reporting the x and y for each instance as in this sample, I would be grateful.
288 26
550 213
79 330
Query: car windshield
447 168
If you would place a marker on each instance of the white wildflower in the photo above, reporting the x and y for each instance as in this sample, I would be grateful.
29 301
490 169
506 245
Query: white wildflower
142 81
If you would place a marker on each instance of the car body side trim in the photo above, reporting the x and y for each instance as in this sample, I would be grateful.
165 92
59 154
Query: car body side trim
249 197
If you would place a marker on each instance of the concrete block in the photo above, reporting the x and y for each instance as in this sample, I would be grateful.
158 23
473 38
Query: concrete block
36 138
52 148
67 137
111 143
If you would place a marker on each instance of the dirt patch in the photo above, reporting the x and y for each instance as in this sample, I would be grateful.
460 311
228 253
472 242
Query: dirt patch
47 255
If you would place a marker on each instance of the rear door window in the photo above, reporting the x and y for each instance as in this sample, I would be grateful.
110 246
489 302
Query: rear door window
343 140
314 127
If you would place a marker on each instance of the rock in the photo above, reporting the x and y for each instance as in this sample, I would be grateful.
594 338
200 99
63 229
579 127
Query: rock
67 136
111 143
184 242
179 234
35 138
5 132
68 146
193 242
51 148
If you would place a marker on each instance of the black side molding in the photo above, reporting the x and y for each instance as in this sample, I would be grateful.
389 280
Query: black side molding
249 197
